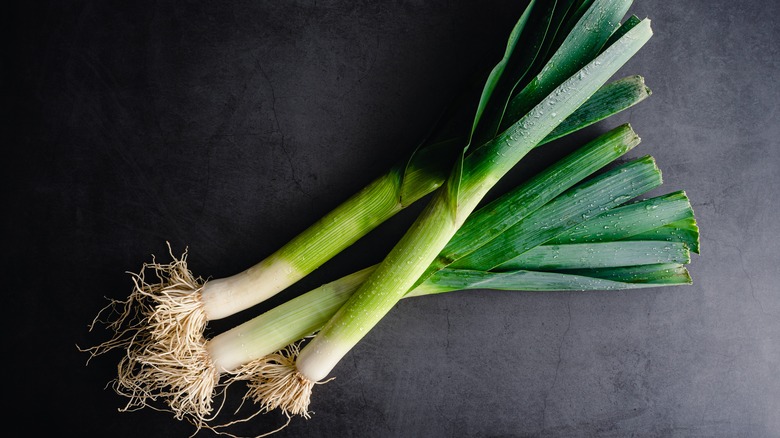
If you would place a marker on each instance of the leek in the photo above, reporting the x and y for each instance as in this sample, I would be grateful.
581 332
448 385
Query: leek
245 351
474 174
529 202
160 325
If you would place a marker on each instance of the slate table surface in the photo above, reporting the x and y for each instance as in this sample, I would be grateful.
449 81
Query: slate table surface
228 127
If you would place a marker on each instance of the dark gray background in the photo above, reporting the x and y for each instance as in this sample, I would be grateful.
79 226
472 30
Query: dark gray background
229 128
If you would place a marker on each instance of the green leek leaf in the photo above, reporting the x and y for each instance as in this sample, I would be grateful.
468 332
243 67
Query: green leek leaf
598 255
667 217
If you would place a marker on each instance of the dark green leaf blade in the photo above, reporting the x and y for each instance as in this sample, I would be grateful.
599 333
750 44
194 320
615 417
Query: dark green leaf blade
598 255
635 277
639 221
653 274
611 99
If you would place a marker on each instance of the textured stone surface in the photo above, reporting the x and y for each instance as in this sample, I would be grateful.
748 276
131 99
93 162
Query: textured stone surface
231 127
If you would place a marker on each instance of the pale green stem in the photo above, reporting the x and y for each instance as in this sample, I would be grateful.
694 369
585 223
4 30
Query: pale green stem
330 235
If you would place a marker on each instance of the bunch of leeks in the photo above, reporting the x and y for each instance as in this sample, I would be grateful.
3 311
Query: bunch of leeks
559 231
